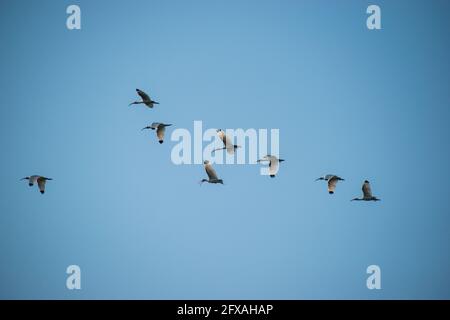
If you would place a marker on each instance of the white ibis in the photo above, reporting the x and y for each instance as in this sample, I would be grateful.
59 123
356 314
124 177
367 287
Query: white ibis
230 147
160 130
367 193
328 176
273 164
332 181
212 175
40 180
145 99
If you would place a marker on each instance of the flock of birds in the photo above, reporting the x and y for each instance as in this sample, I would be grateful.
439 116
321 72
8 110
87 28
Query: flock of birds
334 179
273 161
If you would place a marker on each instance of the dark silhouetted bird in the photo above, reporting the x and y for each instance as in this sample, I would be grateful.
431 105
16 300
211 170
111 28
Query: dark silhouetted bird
145 99
160 130
212 175
332 181
274 163
40 180
367 193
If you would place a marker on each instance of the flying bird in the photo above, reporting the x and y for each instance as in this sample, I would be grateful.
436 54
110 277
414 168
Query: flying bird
212 175
230 147
328 177
367 193
332 181
160 130
39 180
145 99
273 164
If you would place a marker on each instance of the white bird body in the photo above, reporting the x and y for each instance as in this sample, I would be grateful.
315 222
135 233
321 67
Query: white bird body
332 181
145 99
212 175
160 130
274 163
40 180
32 180
332 184
230 147
367 193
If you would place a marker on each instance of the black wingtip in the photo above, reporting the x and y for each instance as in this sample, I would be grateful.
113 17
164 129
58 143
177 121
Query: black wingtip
161 141
331 192
42 192
272 176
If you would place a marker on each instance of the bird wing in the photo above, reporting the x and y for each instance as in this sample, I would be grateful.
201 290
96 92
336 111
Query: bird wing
228 143
367 191
155 125
145 97
212 175
41 183
332 183
160 132
265 158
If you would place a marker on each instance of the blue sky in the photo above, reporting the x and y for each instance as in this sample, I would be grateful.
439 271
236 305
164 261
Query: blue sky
362 104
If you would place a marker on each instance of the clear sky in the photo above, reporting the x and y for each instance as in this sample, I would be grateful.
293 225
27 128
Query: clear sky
362 104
